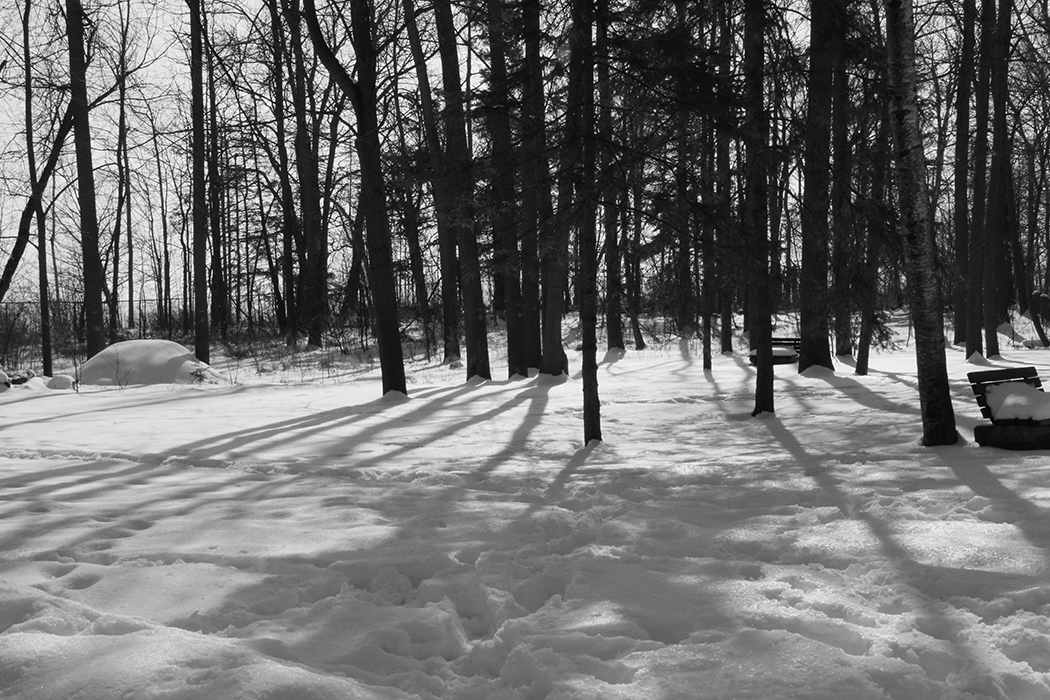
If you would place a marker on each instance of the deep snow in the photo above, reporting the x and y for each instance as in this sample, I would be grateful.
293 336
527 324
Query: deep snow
291 535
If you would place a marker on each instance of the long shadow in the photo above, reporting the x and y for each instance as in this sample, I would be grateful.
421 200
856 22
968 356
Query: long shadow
868 398
539 398
1032 523
134 400
915 574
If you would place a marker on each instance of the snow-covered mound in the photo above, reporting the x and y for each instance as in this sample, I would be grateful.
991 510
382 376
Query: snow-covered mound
146 362
1017 401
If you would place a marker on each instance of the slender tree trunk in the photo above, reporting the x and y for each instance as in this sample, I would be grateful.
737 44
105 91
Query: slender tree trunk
439 185
36 186
315 274
724 185
813 283
536 185
582 47
996 299
290 230
633 275
35 203
938 417
962 169
842 215
505 225
93 274
756 202
461 194
975 316
362 94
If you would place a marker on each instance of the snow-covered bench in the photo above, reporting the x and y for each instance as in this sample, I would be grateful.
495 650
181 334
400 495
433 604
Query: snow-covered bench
1019 410
785 351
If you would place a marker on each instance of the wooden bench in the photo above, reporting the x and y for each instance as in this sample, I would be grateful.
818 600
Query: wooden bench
780 359
1009 434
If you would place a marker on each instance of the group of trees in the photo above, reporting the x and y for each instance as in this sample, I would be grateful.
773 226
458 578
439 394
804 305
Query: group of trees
278 164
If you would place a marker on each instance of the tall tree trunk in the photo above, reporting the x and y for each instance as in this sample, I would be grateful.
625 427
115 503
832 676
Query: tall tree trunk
315 274
611 194
439 185
975 316
36 186
813 283
93 274
998 210
362 94
535 186
461 193
582 48
724 186
290 229
217 282
505 225
938 417
842 215
756 202
962 169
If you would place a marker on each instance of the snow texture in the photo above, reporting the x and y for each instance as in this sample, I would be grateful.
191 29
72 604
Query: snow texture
134 362
265 538
1017 401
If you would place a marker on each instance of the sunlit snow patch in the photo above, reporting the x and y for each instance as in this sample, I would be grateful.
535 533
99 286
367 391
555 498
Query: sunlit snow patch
146 362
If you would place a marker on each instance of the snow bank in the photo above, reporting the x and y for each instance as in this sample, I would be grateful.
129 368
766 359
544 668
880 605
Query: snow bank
134 362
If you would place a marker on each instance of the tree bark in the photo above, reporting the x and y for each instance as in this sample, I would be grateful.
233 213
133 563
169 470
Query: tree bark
813 283
315 275
756 202
536 176
938 417
449 262
93 274
362 94
997 213
962 169
504 175
975 316
461 194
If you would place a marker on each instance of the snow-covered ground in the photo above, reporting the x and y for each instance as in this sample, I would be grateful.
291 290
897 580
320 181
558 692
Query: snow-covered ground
290 537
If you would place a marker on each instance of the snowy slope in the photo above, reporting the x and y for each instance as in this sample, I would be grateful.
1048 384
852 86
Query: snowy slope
308 540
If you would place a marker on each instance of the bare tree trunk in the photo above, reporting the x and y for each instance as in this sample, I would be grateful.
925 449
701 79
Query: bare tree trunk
996 298
938 417
315 274
975 316
962 169
93 275
756 202
582 103
290 227
813 283
439 184
37 208
461 193
362 94
842 216
505 225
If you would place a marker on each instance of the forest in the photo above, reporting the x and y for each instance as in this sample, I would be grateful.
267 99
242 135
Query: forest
411 175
